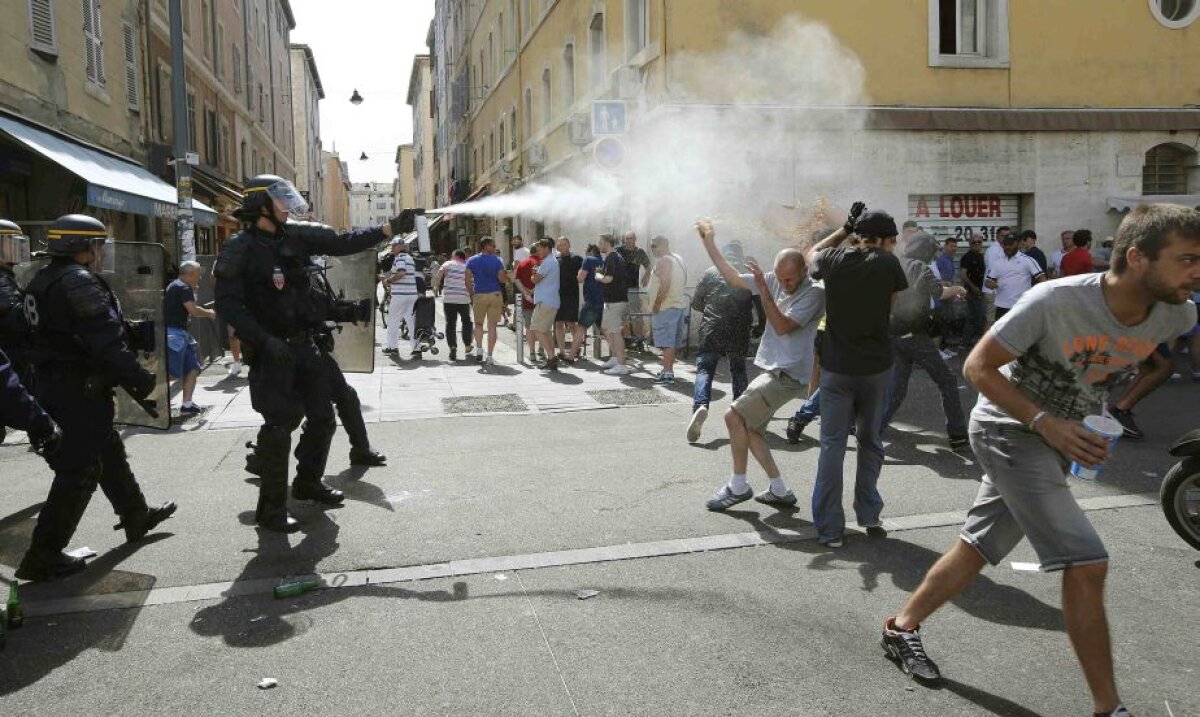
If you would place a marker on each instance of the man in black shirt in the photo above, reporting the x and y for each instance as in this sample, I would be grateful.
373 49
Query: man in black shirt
616 305
861 282
637 277
1029 247
567 319
179 305
973 269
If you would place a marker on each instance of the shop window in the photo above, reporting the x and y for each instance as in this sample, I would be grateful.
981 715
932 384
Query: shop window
1175 14
968 33
43 35
1166 170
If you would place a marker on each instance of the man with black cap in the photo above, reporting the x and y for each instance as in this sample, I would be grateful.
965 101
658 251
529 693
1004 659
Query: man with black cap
1011 275
861 282
265 290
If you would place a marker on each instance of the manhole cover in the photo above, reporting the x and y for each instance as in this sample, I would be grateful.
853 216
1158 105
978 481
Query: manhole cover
502 403
630 397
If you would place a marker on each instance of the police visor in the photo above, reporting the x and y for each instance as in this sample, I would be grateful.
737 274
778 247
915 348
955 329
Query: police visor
14 248
287 198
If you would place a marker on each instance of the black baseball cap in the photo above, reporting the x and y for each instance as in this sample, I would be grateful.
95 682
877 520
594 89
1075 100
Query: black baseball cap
876 224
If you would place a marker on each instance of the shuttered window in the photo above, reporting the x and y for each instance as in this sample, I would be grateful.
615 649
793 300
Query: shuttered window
132 90
93 43
1165 171
42 35
237 70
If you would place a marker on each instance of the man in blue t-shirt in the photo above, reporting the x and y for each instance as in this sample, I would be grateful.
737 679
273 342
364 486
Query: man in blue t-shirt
179 305
485 277
546 300
593 291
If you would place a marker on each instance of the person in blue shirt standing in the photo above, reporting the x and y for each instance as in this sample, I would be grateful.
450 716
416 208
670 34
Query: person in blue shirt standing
485 277
547 300
179 306
592 312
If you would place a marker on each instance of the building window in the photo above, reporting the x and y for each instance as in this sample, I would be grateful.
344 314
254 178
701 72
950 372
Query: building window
185 9
212 146
237 70
637 26
93 42
223 150
569 76
528 113
1166 170
596 51
547 96
43 35
968 33
245 161
191 116
512 129
502 150
206 28
526 17
162 92
219 54
1175 14
132 77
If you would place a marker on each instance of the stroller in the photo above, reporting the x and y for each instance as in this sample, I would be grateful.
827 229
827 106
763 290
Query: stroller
425 318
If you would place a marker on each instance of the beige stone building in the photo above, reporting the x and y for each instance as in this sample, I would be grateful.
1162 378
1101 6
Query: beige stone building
306 117
420 95
335 191
405 188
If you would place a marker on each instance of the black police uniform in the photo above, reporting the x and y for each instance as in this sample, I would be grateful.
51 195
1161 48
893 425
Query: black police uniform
18 409
265 290
80 352
13 330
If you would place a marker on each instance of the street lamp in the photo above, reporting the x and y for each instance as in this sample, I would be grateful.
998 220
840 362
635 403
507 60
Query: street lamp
363 157
356 99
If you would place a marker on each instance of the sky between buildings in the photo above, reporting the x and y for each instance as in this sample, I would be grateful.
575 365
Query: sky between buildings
368 45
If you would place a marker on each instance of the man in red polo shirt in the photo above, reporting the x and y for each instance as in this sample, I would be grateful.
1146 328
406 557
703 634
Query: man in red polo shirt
524 274
1079 259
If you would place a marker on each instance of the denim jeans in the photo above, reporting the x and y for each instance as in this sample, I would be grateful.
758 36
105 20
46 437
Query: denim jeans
921 350
843 398
976 319
706 366
811 409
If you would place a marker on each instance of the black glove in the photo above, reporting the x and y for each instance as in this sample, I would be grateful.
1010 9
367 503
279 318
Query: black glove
277 353
47 441
143 387
856 211
405 221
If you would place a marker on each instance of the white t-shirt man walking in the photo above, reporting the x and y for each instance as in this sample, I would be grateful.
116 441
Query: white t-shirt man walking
403 283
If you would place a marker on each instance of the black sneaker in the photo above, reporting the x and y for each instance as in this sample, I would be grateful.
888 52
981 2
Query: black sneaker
905 649
958 443
795 427
1125 418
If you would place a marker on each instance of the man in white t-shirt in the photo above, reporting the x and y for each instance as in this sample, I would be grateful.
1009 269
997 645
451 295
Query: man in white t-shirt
991 255
402 282
1011 275
1054 265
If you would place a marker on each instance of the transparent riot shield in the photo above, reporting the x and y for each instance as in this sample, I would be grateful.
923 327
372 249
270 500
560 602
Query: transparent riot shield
353 281
138 283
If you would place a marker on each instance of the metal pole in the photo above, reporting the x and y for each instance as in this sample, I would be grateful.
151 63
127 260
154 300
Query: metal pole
185 235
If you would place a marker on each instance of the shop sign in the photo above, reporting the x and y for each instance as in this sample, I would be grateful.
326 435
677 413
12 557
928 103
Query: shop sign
960 215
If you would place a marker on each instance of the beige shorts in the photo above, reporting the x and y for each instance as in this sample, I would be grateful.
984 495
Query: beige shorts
489 306
614 317
765 396
543 318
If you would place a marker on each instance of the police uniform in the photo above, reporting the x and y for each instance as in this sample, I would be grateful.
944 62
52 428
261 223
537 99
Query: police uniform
19 410
266 291
80 352
14 249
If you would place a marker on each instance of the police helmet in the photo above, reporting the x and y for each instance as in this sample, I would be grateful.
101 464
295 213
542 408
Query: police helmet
74 233
14 245
264 189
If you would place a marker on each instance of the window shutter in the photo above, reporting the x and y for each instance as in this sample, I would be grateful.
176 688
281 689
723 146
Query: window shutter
93 44
42 35
132 92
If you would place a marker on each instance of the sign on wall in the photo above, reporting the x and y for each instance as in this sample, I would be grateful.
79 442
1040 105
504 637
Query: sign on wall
960 215
609 118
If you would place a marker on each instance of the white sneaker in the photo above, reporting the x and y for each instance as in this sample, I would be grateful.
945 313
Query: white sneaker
491 360
618 370
612 361
947 354
235 369
698 418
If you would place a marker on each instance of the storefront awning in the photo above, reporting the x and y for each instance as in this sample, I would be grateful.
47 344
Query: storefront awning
112 182
1124 204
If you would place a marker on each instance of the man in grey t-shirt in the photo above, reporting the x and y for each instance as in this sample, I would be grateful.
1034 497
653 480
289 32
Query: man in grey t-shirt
1042 368
793 306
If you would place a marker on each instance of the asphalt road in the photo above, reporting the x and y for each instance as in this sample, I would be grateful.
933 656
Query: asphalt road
781 625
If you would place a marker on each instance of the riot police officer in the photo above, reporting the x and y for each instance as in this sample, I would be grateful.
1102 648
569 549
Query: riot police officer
265 291
80 352
21 411
14 249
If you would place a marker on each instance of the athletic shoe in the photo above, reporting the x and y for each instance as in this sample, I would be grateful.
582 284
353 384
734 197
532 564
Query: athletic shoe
391 352
1125 418
612 361
1120 711
416 356
490 360
875 531
724 499
697 424
769 497
947 354
235 369
957 443
618 370
795 427
550 366
905 649
192 410
664 379
453 354
835 543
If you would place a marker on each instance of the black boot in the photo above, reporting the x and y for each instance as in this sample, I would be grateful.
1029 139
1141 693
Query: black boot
139 523
271 513
253 463
40 566
367 457
313 489
274 516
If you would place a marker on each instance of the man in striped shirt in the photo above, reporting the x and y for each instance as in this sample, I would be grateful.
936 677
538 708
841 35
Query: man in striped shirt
403 283
451 283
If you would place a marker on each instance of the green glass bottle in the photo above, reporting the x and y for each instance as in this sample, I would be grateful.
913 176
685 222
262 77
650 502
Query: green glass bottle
16 611
3 627
295 588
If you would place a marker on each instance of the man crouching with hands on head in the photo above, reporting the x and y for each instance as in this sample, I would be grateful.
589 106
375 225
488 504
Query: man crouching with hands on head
793 306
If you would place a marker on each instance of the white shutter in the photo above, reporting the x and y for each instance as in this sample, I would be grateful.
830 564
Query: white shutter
42 35
129 36
93 44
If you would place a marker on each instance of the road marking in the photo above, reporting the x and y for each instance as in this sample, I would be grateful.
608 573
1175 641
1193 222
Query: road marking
509 563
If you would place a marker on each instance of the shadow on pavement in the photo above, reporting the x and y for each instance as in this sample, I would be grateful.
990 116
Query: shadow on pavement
350 482
16 530
259 621
994 704
906 564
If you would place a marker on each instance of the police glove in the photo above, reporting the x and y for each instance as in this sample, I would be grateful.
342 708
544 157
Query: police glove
856 211
405 221
47 441
276 352
144 386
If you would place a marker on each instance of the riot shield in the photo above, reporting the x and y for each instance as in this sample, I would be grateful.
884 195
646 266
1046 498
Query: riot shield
138 283
353 280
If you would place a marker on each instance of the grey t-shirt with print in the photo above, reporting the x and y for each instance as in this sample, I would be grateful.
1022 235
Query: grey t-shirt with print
1071 351
792 352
